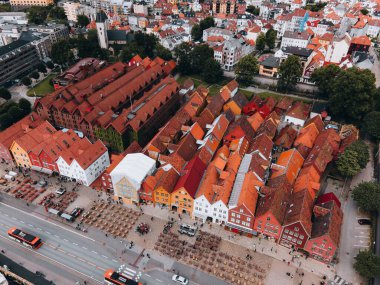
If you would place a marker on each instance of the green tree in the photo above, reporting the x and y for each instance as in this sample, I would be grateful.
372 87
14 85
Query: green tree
182 53
57 13
212 72
16 113
364 11
371 125
41 67
37 15
129 51
26 81
348 164
199 55
147 42
270 38
35 75
163 52
206 23
61 53
367 195
50 65
289 73
5 121
196 33
5 8
253 10
324 77
367 264
260 42
25 106
5 94
353 93
246 69
82 21
362 150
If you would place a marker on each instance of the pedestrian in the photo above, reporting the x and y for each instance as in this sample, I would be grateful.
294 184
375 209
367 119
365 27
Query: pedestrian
288 263
148 255
271 249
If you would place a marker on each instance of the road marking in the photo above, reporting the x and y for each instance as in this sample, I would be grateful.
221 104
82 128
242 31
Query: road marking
94 251
75 244
84 247
148 275
360 245
30 225
47 221
158 280
22 222
13 218
81 259
72 255
105 256
114 260
61 250
6 215
92 264
48 233
39 229
65 239
51 259
56 236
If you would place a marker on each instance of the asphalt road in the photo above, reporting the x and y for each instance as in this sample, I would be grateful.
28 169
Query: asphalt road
66 256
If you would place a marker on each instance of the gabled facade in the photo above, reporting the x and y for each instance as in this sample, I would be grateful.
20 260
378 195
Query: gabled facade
165 186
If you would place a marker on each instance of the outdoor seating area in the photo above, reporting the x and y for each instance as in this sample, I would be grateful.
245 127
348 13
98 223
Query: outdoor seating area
26 190
205 255
115 220
58 203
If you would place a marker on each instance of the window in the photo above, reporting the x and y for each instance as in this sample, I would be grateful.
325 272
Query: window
233 220
296 229
286 231
296 234
238 221
248 219
268 218
299 241
241 211
301 236
284 236
238 216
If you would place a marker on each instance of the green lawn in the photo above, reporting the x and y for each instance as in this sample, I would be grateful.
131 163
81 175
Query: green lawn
42 88
213 88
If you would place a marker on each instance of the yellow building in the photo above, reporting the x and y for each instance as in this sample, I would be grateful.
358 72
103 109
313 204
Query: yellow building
269 67
165 186
20 156
182 198
236 104
31 2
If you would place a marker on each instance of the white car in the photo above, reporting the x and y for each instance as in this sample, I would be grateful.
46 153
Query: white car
180 279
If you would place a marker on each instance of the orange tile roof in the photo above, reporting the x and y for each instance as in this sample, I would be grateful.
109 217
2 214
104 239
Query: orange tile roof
307 136
362 40
256 120
249 195
289 163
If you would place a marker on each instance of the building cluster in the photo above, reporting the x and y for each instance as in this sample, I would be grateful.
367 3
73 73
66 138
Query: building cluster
23 46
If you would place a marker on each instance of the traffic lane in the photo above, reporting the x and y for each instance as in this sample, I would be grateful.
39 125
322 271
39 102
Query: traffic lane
34 261
60 236
84 251
155 277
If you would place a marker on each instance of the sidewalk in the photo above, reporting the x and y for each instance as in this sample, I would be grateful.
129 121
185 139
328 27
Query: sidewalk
263 246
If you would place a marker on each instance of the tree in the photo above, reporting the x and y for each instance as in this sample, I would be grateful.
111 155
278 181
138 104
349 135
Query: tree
37 15
25 106
361 149
367 195
253 10
41 67
57 13
163 52
5 7
199 55
260 42
26 81
5 121
35 75
147 42
353 93
196 32
364 11
324 77
246 69
50 65
129 51
348 164
270 38
371 125
61 53
367 264
212 72
16 113
182 53
207 23
82 21
5 94
290 71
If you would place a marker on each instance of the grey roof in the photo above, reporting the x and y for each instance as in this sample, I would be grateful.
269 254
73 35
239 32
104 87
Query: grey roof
12 46
116 35
305 52
296 35
271 61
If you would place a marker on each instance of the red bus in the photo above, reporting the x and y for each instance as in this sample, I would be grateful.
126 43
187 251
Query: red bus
111 277
26 239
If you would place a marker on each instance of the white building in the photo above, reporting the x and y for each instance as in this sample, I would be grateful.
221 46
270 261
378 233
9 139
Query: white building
295 39
140 9
84 161
71 10
338 49
217 32
18 18
230 52
373 28
129 174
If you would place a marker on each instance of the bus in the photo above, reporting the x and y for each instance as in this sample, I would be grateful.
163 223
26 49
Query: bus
111 277
26 239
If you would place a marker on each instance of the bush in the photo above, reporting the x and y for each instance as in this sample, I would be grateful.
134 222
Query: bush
26 81
50 65
4 93
35 75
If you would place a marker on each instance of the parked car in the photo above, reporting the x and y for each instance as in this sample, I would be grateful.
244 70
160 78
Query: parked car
188 230
60 191
76 212
364 222
180 279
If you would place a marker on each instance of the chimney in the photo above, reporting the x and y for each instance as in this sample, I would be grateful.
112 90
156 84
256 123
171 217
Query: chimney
32 118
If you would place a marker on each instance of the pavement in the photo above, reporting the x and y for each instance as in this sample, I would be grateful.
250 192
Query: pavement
354 237
376 66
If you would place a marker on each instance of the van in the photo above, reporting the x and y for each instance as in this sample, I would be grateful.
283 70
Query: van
187 229
67 217
60 191
54 212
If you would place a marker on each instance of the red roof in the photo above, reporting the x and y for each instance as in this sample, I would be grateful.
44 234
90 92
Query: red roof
191 176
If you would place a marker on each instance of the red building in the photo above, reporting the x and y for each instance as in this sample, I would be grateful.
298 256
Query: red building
271 209
361 43
325 234
238 129
296 228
